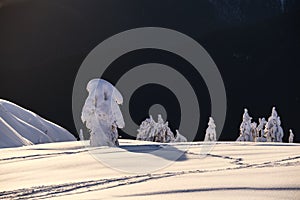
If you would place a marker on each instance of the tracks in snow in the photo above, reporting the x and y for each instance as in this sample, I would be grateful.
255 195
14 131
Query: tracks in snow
48 191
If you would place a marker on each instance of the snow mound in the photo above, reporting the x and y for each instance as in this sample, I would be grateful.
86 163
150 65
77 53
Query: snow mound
19 127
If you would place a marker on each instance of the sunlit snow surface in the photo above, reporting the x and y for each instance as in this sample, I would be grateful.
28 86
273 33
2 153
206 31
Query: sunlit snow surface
232 170
19 127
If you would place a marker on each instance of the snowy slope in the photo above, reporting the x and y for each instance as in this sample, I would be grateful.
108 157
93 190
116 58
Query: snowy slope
19 127
231 170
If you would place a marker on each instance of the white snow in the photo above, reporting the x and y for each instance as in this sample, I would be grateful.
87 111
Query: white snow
232 170
19 127
159 131
291 137
179 137
211 134
246 128
266 131
273 129
101 113
260 133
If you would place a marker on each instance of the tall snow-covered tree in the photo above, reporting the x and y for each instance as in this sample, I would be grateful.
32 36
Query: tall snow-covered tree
291 137
101 113
273 129
245 128
211 134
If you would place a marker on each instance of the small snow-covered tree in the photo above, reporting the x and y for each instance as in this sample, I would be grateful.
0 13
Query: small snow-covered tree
260 127
159 131
260 130
179 137
163 132
291 137
253 131
273 129
211 134
245 128
147 130
101 113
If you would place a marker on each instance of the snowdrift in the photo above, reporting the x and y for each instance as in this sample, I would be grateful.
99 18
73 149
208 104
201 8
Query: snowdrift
232 170
19 127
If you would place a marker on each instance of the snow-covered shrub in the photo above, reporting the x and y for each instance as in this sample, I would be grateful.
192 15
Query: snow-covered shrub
101 113
159 131
291 137
211 131
245 128
273 130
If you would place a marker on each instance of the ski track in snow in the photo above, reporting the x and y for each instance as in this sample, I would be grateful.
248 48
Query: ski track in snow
66 189
39 156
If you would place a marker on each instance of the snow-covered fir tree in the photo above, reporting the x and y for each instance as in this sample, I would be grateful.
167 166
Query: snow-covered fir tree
163 133
260 134
245 128
253 131
291 137
144 131
101 113
211 134
179 137
159 131
273 129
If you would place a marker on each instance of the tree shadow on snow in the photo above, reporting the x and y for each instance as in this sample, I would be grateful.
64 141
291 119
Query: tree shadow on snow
165 151
196 190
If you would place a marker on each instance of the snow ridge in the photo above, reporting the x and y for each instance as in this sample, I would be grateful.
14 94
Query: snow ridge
21 127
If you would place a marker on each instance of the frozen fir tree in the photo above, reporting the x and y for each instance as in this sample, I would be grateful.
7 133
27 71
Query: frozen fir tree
101 113
146 130
260 130
273 129
245 128
280 133
179 137
291 137
159 131
210 134
163 132
253 131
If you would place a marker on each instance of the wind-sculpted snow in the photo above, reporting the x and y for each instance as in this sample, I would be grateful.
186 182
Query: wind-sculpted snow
19 127
67 171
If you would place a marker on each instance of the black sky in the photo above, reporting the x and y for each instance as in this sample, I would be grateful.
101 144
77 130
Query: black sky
255 44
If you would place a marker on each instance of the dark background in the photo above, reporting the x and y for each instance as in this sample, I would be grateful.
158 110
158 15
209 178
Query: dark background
255 44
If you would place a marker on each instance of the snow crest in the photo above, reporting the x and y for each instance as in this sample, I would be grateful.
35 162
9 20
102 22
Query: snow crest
19 127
